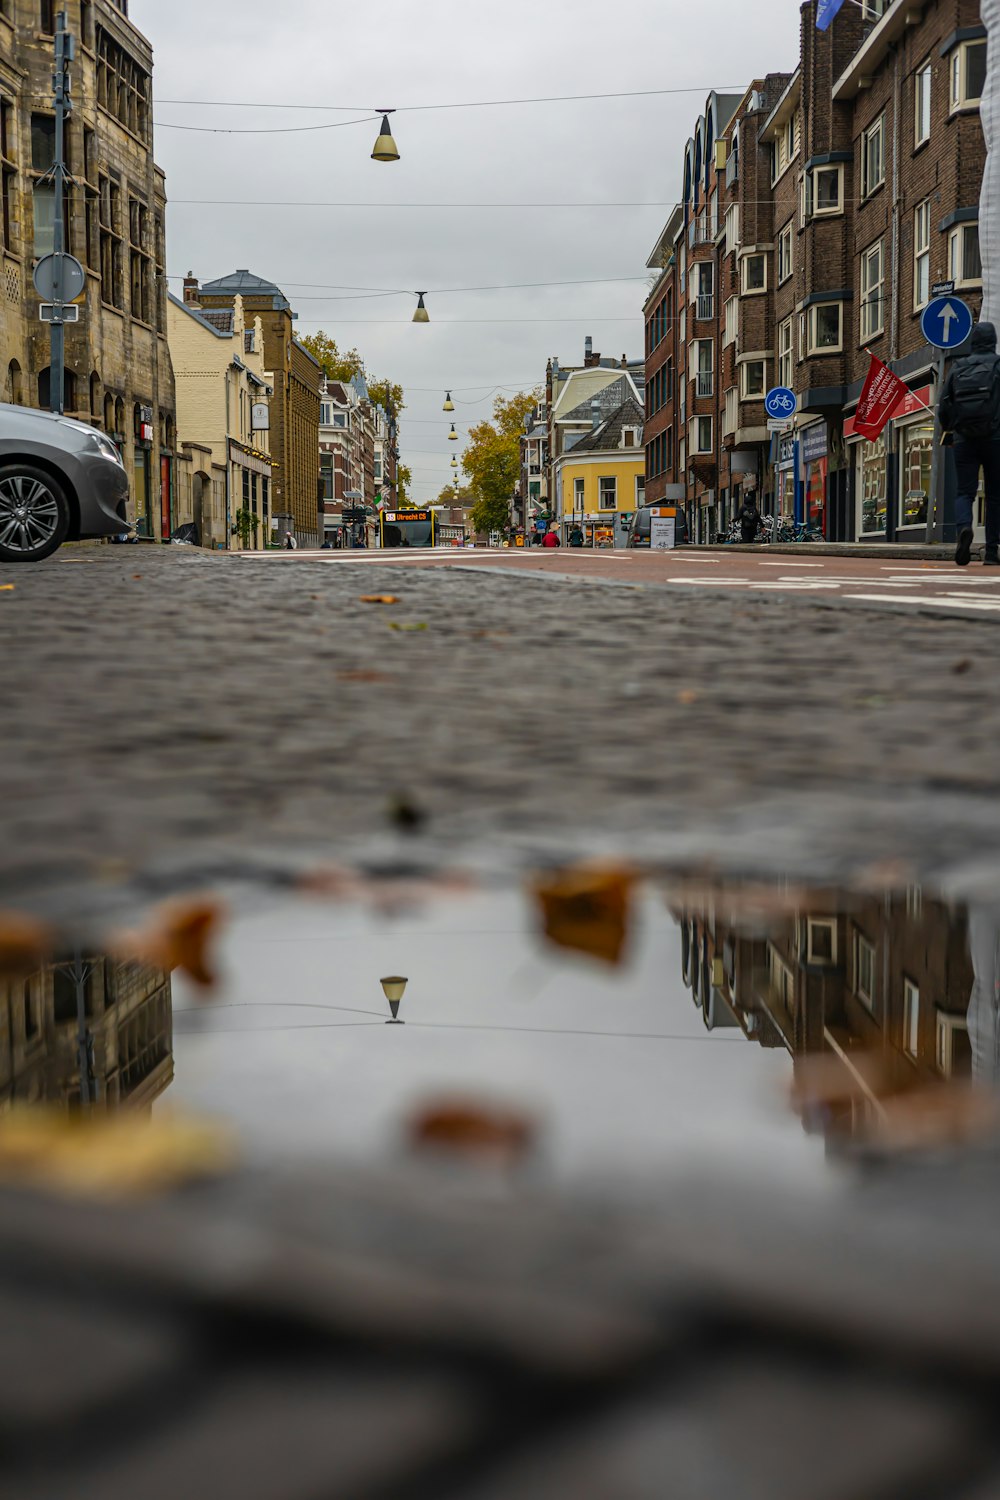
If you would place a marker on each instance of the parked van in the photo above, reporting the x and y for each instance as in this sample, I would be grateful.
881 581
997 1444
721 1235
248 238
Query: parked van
641 525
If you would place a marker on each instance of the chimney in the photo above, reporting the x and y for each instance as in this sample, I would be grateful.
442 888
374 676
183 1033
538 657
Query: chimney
595 414
191 288
624 361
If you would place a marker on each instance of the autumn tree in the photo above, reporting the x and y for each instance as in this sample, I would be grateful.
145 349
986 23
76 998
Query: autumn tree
335 365
387 394
492 461
404 478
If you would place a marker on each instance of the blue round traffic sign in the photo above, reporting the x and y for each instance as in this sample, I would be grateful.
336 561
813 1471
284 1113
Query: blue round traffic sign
780 403
946 322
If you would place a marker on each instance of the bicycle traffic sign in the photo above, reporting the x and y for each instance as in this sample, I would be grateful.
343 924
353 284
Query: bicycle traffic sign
946 322
780 403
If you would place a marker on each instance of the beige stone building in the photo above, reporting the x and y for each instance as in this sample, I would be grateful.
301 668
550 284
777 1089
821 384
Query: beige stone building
296 499
223 402
129 1023
118 373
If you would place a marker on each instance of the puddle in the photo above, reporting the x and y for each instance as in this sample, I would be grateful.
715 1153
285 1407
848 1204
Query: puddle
760 1027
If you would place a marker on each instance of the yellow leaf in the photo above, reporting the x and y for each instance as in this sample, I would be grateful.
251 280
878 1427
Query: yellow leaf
588 910
379 599
6 588
468 1128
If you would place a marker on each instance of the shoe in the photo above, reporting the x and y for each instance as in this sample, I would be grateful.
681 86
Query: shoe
991 558
963 549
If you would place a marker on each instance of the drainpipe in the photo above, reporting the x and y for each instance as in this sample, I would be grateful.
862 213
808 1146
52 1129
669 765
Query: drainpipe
229 466
894 252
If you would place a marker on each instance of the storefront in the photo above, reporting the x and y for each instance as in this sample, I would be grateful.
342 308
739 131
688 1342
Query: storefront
815 466
914 428
786 477
892 476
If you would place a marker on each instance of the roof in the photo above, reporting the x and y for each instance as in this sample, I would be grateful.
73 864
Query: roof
359 385
609 397
245 284
608 436
206 319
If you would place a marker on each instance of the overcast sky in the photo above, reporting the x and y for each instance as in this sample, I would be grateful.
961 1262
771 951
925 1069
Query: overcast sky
412 52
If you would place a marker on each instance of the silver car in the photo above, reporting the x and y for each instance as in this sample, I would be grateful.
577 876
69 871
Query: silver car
59 480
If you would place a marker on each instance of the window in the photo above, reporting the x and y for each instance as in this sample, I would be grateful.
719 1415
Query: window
47 17
864 970
953 1052
732 227
325 414
702 434
872 277
44 216
825 328
753 274
781 978
916 447
705 306
785 254
340 419
731 322
968 75
731 413
640 491
607 492
821 941
785 360
922 255
922 104
704 355
965 266
911 1018
43 142
827 192
123 87
140 263
873 10
112 245
786 145
872 485
30 1010
873 157
753 380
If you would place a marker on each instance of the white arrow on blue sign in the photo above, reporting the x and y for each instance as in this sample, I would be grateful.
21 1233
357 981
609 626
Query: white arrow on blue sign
946 322
780 403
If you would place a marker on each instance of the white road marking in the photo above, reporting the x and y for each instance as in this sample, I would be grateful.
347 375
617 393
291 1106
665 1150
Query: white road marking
790 565
932 601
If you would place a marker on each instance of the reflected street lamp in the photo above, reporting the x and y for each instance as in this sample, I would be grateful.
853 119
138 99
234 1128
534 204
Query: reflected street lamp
393 989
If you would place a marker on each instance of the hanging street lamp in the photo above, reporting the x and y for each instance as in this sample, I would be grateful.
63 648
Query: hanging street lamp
454 463
393 988
453 435
385 146
449 404
421 315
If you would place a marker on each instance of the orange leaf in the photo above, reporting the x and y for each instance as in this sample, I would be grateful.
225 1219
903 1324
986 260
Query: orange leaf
587 909
179 936
465 1127
379 599
24 943
364 676
6 588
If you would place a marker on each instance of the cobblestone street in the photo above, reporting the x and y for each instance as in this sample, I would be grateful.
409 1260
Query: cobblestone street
173 714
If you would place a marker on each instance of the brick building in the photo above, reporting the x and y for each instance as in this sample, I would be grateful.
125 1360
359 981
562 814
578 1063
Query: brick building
818 212
295 500
118 372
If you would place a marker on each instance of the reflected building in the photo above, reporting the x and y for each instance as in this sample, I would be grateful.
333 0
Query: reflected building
888 977
127 1055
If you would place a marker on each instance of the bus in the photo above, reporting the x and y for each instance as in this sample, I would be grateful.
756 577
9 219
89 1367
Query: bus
416 528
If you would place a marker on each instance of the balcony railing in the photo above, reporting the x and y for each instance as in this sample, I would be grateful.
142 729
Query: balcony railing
705 307
732 168
706 382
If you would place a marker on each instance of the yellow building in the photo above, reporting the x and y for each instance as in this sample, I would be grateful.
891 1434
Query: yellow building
600 481
222 403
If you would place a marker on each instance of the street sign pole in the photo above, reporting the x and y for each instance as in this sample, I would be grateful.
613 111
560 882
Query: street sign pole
946 323
935 519
65 52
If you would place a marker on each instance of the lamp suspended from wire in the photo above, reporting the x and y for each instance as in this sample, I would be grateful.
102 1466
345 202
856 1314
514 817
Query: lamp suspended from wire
385 146
421 315
449 404
453 435
454 462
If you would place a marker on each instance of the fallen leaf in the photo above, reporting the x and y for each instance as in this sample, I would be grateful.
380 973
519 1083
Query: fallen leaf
687 695
395 625
379 599
178 936
469 1128
24 943
6 588
364 677
108 1156
961 667
136 575
587 909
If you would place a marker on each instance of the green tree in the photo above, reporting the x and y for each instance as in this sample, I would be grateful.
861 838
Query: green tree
492 461
387 394
404 478
336 366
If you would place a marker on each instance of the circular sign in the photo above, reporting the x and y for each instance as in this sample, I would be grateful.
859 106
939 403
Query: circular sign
946 322
780 403
74 278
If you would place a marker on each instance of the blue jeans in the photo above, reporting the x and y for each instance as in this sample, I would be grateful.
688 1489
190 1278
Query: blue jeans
971 455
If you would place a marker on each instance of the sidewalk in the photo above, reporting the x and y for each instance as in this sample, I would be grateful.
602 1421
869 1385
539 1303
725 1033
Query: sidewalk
904 551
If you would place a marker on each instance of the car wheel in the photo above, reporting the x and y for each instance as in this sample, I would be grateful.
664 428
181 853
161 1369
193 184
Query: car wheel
34 513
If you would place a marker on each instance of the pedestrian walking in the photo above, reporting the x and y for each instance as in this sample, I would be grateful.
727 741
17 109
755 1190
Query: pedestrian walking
970 415
576 537
749 519
290 543
551 538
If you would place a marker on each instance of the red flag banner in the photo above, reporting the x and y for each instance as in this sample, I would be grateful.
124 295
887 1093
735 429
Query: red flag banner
882 394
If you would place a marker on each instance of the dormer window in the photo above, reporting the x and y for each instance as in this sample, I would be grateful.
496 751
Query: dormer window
630 437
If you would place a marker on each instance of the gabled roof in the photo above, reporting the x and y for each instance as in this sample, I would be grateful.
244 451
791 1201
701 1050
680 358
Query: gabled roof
360 387
245 284
609 435
203 318
608 398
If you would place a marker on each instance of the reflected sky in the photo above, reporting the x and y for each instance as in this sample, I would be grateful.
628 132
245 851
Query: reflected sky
617 1064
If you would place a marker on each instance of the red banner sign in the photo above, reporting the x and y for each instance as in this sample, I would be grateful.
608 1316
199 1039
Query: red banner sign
883 392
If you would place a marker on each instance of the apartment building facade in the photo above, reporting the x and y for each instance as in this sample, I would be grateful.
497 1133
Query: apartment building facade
820 209
118 370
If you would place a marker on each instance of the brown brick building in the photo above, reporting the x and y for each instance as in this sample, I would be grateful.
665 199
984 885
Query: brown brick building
118 373
820 209
295 406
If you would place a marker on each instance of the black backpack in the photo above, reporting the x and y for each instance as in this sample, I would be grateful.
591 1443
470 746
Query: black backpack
972 408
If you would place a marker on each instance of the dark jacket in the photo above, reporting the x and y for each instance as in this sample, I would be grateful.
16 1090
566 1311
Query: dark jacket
749 519
984 362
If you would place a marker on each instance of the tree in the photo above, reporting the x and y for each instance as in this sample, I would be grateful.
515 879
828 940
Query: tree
454 494
404 478
336 366
387 394
492 460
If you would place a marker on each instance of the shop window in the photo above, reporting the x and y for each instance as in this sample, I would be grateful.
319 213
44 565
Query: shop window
873 157
753 274
825 330
872 480
916 448
967 75
922 104
872 283
965 266
921 255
